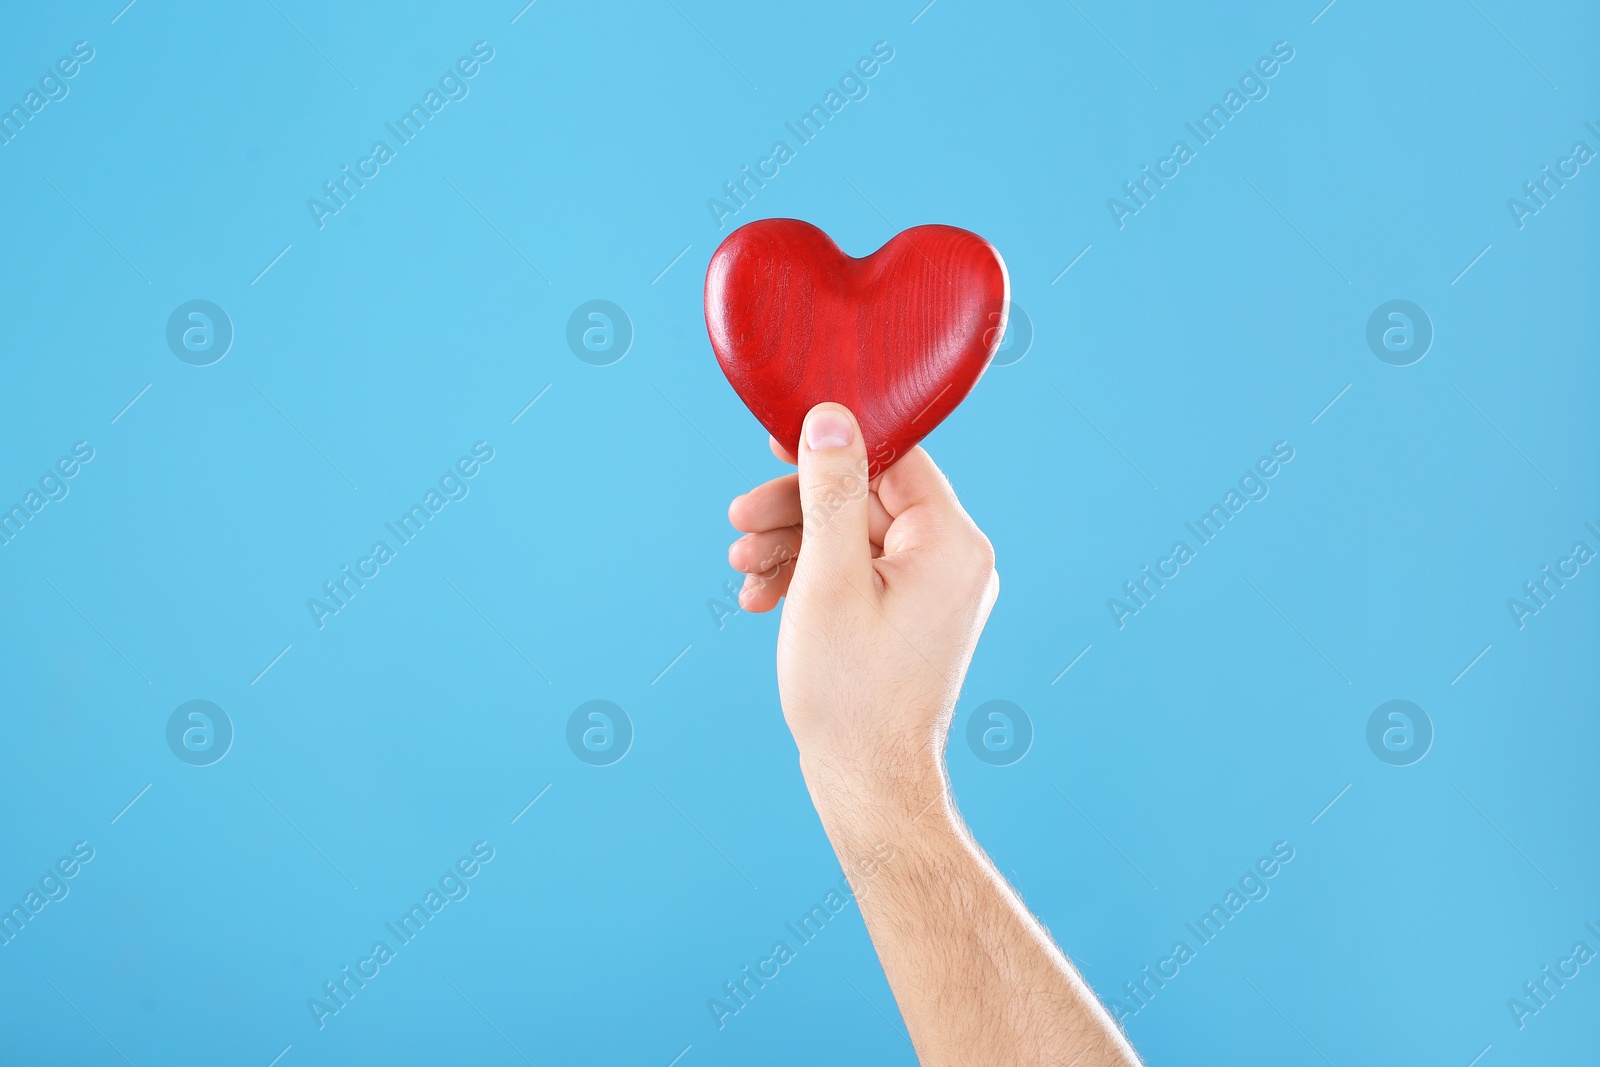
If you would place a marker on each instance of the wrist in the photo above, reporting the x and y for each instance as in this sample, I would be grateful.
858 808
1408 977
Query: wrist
877 789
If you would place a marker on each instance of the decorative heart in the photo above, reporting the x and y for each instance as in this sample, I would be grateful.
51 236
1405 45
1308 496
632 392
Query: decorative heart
900 337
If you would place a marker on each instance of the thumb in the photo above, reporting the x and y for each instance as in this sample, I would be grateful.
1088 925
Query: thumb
833 498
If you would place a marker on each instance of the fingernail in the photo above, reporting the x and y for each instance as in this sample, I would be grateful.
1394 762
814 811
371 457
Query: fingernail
828 429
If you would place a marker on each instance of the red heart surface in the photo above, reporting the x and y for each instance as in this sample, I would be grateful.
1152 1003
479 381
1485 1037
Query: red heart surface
899 337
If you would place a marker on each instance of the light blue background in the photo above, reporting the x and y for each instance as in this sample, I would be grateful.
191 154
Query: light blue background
424 317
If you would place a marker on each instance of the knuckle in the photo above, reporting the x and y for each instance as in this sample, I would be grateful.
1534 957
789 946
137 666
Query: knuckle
981 551
835 486
772 564
986 551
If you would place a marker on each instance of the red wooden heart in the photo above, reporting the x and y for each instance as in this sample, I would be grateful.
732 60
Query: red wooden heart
900 337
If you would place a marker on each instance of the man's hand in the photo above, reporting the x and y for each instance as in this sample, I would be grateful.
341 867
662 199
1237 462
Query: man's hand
889 585
885 603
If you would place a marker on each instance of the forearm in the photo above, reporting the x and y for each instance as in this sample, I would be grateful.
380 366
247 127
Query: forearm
977 979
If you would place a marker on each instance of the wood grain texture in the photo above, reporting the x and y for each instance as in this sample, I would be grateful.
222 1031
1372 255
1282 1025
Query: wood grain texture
899 337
